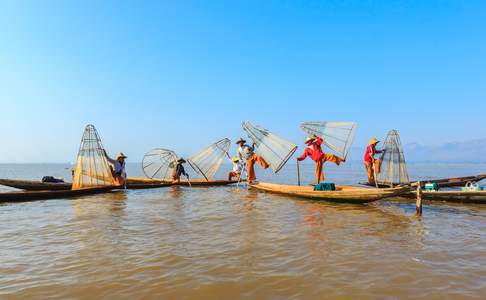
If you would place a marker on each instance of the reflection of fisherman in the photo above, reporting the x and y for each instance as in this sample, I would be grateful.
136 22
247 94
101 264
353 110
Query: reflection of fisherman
236 172
179 170
118 168
247 155
314 151
372 165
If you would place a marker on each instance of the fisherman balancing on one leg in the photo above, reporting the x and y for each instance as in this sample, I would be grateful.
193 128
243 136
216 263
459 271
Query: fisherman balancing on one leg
314 151
247 155
372 165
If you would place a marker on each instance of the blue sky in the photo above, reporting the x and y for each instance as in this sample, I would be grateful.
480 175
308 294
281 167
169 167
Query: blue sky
182 74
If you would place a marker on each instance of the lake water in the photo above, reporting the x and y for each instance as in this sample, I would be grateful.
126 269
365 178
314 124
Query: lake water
234 243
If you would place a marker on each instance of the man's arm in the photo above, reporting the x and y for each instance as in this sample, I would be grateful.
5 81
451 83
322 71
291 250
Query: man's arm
304 155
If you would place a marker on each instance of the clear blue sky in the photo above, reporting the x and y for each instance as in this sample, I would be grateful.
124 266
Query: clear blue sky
182 74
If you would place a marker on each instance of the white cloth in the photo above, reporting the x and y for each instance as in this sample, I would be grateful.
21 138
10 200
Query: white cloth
245 152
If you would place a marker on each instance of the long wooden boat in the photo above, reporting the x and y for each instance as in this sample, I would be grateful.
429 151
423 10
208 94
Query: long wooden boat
344 194
445 182
32 185
132 183
452 196
193 182
53 194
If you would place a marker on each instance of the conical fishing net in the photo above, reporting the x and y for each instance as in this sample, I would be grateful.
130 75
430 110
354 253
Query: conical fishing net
338 136
207 161
159 164
92 169
393 169
275 150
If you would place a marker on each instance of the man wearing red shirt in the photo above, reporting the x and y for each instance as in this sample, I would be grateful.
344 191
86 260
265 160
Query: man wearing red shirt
314 151
372 165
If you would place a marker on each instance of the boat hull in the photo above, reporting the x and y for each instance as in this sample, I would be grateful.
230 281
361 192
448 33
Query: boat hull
53 194
343 194
442 183
132 183
453 196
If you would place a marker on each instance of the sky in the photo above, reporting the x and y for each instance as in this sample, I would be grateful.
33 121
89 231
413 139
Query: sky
184 74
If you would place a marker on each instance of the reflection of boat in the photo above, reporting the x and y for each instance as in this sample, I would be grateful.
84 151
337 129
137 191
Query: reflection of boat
345 194
445 182
53 194
132 183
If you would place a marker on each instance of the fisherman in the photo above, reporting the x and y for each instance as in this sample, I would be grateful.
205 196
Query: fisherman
247 155
372 165
118 168
236 172
179 170
314 151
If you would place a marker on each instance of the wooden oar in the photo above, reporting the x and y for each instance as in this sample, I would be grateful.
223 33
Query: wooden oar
298 173
188 181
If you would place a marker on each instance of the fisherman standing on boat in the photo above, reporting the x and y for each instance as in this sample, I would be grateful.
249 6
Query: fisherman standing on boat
372 165
247 155
314 151
179 171
236 172
118 168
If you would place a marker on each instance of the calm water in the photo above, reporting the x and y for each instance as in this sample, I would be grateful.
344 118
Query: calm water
230 243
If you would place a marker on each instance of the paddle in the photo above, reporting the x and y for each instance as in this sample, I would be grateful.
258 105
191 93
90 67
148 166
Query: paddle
298 173
188 181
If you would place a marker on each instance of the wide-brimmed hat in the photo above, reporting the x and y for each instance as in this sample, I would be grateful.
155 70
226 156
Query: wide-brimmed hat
309 139
373 141
241 140
120 155
181 160
235 159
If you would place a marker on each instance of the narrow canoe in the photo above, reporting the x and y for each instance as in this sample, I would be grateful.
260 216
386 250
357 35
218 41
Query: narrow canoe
32 185
194 182
132 183
54 194
445 182
453 196
344 194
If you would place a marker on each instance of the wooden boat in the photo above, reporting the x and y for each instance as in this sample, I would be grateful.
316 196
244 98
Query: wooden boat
203 183
344 194
132 183
445 182
452 196
32 185
53 194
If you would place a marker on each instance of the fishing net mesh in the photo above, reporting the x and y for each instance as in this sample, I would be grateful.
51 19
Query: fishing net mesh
208 161
159 164
393 170
92 168
275 150
337 136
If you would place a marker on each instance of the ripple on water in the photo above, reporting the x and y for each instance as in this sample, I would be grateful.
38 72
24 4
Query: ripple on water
177 243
